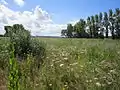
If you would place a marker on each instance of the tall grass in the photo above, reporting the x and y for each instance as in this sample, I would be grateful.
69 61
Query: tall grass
73 64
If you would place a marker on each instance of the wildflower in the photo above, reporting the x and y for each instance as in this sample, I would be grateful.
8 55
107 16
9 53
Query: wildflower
61 65
87 81
63 54
90 80
109 83
98 84
82 52
112 71
118 52
53 60
73 64
90 62
37 84
50 84
95 78
104 77
81 66
66 58
65 85
51 65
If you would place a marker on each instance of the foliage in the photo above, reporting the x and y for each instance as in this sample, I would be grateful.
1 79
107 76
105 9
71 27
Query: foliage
38 51
20 67
1 35
20 38
4 53
13 78
98 26
23 44
69 30
85 64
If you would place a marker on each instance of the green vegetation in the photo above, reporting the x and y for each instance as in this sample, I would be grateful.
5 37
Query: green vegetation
15 54
72 64
98 26
13 76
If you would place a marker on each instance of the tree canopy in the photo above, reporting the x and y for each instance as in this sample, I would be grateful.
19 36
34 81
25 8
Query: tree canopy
102 25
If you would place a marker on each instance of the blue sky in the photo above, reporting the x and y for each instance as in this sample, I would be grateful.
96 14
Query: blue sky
49 17
63 11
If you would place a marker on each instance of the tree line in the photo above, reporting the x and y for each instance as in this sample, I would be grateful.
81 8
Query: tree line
102 25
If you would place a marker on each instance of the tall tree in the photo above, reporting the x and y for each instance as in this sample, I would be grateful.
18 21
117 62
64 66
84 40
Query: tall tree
69 30
93 26
80 28
89 26
117 22
106 23
101 25
64 32
111 19
100 17
96 25
8 29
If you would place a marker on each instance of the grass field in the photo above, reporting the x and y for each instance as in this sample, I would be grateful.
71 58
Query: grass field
75 64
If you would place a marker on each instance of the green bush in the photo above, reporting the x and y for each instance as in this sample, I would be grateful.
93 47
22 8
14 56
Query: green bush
37 49
23 43
4 53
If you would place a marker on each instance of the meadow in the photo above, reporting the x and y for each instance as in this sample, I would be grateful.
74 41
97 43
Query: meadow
70 64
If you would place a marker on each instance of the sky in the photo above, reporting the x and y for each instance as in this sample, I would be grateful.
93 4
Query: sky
49 17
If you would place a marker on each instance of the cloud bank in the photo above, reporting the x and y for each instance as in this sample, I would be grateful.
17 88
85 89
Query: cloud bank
37 21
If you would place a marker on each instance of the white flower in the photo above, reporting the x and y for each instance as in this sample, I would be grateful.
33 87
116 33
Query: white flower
61 65
73 64
65 85
53 60
81 66
51 65
118 52
37 84
112 71
90 80
98 84
109 83
50 84
95 78
66 58
82 52
87 81
104 77
63 54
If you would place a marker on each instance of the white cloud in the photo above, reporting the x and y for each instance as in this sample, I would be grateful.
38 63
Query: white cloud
19 2
4 2
37 21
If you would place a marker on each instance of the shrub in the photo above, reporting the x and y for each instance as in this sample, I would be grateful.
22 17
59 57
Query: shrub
23 43
4 53
37 49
